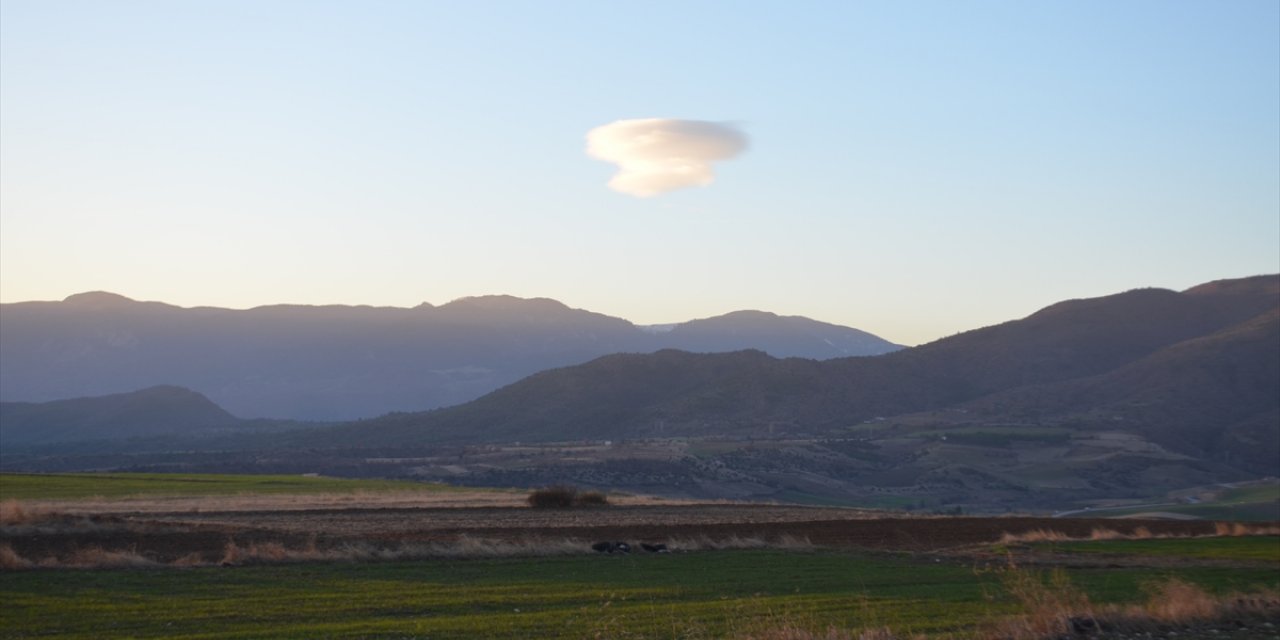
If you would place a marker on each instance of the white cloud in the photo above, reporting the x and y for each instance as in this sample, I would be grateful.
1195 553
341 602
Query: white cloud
657 155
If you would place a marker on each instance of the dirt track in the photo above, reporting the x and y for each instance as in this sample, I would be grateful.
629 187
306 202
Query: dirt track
166 537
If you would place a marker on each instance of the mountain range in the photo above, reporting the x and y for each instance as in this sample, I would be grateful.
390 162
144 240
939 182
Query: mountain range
1126 396
1196 371
334 363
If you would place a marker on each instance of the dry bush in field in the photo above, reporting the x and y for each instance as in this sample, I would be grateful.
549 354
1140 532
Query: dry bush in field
706 543
1236 529
15 512
9 559
1141 533
463 547
97 557
564 496
1049 535
1047 608
1178 602
1051 607
1057 608
591 499
553 497
1035 535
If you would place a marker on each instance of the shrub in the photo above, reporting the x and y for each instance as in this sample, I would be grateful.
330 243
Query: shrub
591 499
553 497
1178 602
14 512
9 559
1245 529
564 496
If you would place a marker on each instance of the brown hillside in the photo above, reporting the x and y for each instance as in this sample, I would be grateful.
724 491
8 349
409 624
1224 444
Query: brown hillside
675 393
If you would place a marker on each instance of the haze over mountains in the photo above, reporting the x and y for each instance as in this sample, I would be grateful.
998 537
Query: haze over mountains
343 362
1127 396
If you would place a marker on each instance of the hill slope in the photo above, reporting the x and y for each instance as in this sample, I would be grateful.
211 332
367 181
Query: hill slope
1218 395
155 411
1161 354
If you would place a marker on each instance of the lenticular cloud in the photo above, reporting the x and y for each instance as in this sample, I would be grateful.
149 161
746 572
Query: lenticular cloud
657 155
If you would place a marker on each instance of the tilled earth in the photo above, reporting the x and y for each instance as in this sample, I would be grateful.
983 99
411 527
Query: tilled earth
165 537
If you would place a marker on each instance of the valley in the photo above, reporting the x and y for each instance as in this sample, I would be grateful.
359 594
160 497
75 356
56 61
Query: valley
1136 398
880 465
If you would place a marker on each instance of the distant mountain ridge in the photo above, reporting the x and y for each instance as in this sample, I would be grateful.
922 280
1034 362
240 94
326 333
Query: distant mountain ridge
1196 371
773 334
346 362
156 411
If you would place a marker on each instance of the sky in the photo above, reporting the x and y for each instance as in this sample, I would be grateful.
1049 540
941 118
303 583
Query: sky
914 169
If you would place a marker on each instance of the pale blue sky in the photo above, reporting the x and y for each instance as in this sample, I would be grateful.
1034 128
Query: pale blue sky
916 168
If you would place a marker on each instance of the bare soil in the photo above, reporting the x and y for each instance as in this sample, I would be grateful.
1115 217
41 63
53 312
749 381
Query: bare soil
165 537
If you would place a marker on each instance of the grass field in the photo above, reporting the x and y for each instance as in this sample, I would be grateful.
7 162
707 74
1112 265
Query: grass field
1259 548
1244 503
1247 504
16 486
699 594
695 595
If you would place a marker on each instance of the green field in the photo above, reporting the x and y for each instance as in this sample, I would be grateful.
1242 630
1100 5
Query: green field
1245 495
1255 548
18 486
1245 504
695 595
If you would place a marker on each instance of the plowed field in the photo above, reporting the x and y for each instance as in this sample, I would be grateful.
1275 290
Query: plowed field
164 537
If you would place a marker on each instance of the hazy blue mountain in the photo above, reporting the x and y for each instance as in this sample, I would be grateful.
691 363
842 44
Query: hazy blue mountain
345 362
779 336
150 412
